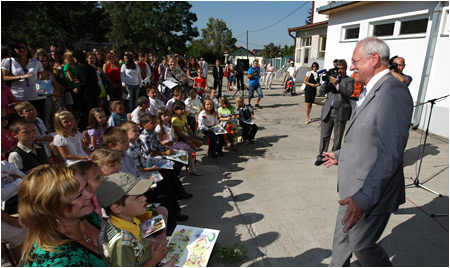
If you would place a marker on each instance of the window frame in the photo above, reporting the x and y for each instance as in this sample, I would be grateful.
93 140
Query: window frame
344 30
397 26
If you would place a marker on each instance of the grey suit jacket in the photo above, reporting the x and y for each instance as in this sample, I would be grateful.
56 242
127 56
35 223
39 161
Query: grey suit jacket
371 159
343 108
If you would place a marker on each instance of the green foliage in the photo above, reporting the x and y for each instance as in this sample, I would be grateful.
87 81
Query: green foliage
163 26
271 51
231 256
198 48
47 22
287 51
309 17
217 37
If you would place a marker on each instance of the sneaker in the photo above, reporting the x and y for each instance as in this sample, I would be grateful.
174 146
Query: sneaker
257 105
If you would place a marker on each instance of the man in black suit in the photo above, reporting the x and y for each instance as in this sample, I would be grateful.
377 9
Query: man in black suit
337 109
218 77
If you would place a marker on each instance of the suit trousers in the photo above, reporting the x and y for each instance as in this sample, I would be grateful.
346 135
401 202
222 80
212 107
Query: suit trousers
218 86
360 240
326 128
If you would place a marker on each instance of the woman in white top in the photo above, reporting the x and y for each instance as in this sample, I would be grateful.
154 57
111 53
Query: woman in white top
269 75
130 75
262 67
23 72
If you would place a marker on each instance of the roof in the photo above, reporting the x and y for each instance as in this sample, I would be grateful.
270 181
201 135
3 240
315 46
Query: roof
236 48
308 26
339 6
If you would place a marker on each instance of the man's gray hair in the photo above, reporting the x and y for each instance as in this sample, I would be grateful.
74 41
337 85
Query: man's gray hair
372 45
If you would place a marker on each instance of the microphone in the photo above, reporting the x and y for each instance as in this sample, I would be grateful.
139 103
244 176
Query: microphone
321 71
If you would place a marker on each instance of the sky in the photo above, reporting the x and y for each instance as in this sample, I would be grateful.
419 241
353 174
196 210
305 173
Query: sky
254 16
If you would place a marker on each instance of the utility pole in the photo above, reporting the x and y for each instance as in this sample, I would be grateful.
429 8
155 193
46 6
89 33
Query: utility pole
247 44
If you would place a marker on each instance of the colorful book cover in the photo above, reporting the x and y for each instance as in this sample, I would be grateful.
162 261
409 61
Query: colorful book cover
193 246
160 163
218 130
153 225
178 155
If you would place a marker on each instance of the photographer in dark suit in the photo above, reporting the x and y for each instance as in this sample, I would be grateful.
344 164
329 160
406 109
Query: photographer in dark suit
337 109
218 77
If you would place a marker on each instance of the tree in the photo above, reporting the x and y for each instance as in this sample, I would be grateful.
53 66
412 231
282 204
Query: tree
38 23
271 51
198 48
218 37
287 51
163 26
309 17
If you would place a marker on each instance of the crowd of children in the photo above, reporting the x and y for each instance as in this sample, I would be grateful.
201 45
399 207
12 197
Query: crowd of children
118 150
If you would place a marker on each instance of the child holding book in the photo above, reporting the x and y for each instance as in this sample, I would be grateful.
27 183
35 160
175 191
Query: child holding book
118 115
246 114
193 107
207 119
117 139
27 154
155 103
227 118
68 139
96 127
201 83
143 108
122 197
152 147
181 128
166 137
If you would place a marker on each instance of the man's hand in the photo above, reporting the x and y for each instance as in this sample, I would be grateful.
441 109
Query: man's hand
329 159
353 214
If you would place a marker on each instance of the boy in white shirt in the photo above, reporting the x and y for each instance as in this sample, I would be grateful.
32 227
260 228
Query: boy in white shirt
193 107
143 108
155 103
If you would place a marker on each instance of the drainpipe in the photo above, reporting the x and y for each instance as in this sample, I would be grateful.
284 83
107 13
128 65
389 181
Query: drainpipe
428 63
295 41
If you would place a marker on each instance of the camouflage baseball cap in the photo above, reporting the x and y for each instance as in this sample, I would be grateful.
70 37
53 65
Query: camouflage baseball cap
115 186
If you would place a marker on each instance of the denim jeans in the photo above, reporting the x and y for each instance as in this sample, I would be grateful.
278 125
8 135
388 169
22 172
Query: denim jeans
132 102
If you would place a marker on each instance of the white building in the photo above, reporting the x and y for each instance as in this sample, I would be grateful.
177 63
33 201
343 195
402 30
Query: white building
416 31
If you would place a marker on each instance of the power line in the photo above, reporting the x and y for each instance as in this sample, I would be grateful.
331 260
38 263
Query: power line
279 20
245 42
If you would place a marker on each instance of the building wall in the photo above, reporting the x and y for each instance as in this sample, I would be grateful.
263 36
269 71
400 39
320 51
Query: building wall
413 48
319 17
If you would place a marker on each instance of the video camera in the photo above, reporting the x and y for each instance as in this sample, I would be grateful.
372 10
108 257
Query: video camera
331 72
392 65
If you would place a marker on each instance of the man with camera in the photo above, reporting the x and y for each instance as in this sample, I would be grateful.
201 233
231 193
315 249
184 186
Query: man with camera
396 65
338 87
254 73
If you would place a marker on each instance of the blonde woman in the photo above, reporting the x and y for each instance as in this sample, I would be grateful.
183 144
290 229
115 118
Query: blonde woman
56 206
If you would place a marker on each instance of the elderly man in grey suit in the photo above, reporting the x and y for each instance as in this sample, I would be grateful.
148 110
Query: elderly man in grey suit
337 109
370 174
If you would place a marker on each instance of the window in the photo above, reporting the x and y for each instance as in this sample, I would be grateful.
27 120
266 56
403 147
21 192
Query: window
406 27
305 56
350 33
383 29
414 26
444 29
306 41
323 42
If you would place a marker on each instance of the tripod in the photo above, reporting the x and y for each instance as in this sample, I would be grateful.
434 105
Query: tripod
240 84
416 181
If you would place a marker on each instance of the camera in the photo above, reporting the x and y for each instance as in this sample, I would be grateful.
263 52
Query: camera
331 72
392 65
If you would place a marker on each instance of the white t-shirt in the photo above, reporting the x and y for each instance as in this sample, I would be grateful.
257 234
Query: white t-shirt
169 133
74 146
10 186
131 77
137 114
291 70
193 106
155 104
20 89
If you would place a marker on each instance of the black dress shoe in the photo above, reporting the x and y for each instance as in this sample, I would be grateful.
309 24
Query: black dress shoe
181 217
319 162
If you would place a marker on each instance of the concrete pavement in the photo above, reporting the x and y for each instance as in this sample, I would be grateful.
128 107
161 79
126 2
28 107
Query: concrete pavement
270 198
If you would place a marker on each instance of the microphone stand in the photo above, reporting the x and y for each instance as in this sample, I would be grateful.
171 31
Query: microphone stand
416 181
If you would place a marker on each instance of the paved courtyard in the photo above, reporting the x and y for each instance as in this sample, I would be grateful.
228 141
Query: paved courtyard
270 198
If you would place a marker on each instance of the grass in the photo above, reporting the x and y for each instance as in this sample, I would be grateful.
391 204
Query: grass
228 255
